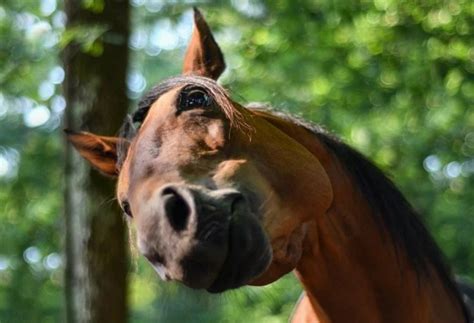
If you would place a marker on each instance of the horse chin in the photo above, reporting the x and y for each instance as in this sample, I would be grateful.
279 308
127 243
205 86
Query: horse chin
249 254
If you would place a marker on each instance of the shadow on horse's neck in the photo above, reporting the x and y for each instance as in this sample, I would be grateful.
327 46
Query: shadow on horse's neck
369 258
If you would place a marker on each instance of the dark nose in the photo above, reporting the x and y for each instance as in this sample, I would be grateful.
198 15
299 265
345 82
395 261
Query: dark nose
177 205
233 201
185 235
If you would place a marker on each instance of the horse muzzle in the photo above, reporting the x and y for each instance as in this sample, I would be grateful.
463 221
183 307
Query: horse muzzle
204 239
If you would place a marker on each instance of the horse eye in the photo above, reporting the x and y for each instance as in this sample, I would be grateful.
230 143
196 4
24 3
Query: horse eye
194 99
126 208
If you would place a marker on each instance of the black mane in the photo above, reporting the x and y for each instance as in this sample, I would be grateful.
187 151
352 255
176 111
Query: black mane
391 210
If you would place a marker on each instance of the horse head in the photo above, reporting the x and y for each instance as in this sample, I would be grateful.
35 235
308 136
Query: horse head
218 195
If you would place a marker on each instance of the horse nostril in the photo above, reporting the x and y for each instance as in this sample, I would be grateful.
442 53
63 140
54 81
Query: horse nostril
176 208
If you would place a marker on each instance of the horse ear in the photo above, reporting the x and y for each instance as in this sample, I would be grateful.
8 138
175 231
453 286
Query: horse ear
203 56
99 151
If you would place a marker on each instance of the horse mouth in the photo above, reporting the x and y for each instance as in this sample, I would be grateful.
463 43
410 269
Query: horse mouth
231 277
249 255
209 241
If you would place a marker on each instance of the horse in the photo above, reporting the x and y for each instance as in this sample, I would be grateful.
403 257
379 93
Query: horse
222 195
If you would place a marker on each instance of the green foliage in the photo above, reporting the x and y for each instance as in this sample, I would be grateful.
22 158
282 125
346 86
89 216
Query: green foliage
30 164
393 78
89 38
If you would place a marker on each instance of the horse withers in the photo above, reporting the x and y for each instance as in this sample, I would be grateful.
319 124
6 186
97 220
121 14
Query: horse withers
223 196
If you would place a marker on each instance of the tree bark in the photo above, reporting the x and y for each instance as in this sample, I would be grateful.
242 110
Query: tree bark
95 63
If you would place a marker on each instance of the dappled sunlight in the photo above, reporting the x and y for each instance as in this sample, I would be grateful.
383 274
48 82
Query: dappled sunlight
136 84
36 116
9 160
48 7
5 167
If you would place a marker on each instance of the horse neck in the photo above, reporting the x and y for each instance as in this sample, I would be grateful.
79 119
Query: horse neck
349 267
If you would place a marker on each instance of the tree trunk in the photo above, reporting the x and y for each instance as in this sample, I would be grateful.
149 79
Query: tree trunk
95 63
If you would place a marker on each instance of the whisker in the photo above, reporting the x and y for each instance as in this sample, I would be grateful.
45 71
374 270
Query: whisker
108 202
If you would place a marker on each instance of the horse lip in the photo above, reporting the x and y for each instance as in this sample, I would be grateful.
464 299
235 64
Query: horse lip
236 278
232 281
217 286
223 270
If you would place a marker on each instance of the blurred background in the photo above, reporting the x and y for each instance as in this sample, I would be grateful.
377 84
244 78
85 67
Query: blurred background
395 79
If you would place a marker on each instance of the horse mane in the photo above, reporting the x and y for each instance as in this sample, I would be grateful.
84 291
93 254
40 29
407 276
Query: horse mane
391 210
